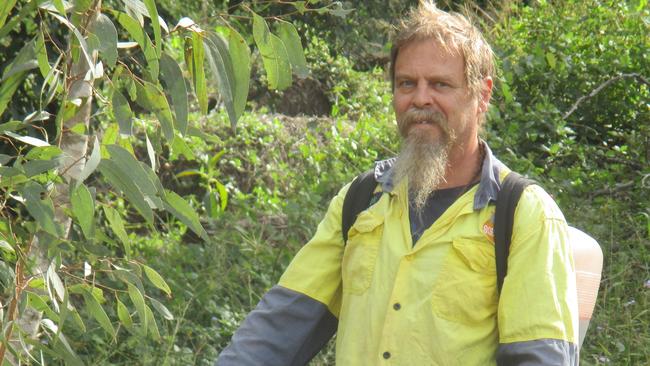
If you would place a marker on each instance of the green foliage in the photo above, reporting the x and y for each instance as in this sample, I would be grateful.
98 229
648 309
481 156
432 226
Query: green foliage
51 220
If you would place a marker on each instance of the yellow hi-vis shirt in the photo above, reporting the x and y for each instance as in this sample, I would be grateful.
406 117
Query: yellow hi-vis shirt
436 303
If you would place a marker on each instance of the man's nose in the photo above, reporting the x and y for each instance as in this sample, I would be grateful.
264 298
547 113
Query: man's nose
423 97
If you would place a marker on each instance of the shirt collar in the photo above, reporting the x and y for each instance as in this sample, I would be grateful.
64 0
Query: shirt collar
488 188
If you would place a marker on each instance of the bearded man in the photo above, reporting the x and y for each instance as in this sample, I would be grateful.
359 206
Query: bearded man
415 283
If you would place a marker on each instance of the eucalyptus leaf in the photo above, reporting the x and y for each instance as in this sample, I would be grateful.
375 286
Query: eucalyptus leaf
112 172
97 311
4 245
240 57
151 97
41 210
27 139
8 87
124 315
41 54
122 112
35 167
172 75
139 35
151 324
221 65
150 152
274 55
182 210
198 72
138 300
162 309
117 226
129 165
289 36
104 29
5 9
92 162
83 209
155 24
156 279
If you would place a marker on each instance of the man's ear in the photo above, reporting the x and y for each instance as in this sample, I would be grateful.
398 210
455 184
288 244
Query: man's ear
485 95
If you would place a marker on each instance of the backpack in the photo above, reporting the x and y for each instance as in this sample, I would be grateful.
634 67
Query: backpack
587 253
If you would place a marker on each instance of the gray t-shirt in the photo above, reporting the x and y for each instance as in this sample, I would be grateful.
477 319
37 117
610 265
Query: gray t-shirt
437 203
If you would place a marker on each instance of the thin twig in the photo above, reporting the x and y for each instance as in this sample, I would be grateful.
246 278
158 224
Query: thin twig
601 87
609 190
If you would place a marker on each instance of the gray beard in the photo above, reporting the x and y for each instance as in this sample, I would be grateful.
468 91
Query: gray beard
424 163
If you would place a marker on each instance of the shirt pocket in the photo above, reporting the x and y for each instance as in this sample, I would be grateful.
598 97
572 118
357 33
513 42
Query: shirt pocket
465 291
361 252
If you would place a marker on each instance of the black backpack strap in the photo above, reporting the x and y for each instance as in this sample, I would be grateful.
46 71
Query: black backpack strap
511 189
357 199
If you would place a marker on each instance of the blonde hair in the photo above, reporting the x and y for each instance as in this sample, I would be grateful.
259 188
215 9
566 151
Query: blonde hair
454 33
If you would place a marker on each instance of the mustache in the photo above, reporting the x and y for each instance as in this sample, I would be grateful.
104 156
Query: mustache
418 115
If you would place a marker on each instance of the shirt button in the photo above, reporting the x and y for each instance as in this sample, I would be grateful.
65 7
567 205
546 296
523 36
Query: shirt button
386 355
397 306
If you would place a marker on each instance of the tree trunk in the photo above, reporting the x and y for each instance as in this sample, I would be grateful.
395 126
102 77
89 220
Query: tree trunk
74 147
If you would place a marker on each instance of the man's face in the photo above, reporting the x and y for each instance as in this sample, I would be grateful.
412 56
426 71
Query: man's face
431 97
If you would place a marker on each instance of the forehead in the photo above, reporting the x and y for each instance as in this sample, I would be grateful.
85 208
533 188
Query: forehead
428 56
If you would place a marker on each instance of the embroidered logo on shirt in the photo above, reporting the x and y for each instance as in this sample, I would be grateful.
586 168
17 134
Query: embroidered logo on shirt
488 229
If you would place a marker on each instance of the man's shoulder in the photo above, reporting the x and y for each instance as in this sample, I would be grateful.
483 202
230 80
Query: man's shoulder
537 202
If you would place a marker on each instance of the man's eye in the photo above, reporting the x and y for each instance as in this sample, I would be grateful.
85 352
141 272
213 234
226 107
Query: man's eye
405 83
441 84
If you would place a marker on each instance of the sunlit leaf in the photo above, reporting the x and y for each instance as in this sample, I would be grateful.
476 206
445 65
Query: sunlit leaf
5 9
54 280
92 162
37 303
27 139
219 60
6 246
198 72
35 167
223 195
151 97
133 168
139 35
155 24
274 55
162 309
240 56
123 314
83 209
171 74
105 31
117 226
289 36
156 279
138 301
41 54
151 324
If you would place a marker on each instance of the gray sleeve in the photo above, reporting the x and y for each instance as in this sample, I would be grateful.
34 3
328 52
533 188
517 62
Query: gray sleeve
539 352
286 328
